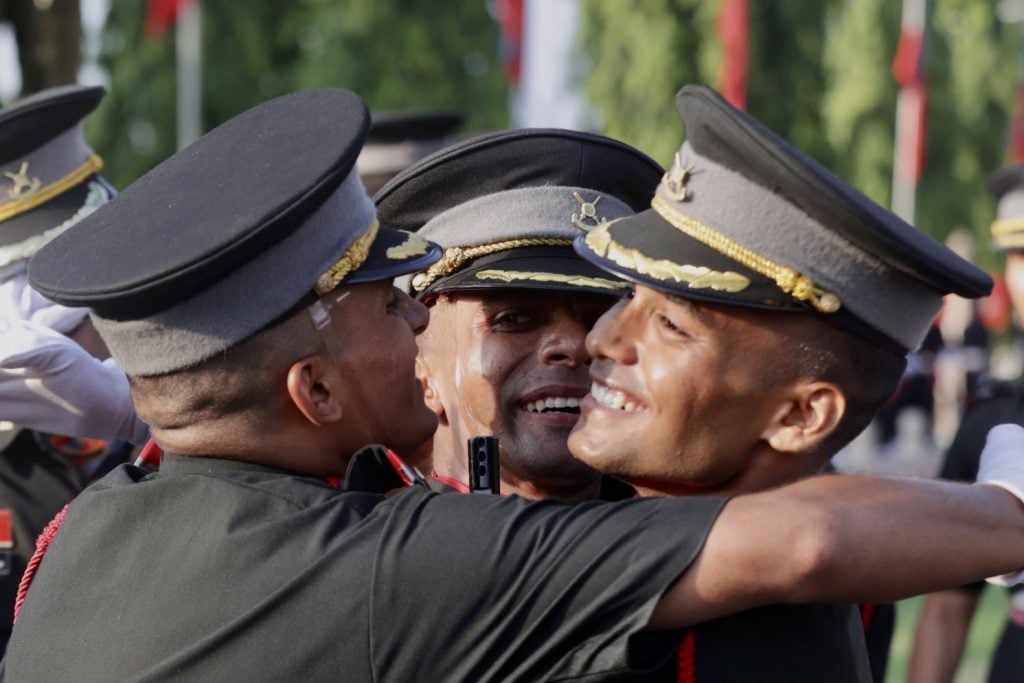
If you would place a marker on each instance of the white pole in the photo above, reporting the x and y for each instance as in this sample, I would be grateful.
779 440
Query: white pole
189 47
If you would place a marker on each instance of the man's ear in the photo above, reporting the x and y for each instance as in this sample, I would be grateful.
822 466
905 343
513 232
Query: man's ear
431 393
313 386
810 415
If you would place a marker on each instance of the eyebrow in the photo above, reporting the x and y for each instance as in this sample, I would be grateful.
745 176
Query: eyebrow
693 308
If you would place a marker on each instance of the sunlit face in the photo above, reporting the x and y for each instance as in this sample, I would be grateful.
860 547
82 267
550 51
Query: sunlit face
371 337
679 391
1015 281
513 363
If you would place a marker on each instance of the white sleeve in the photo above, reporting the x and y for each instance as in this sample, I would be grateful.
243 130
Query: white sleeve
50 383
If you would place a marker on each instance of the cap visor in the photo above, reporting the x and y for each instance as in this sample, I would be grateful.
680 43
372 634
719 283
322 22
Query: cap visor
395 253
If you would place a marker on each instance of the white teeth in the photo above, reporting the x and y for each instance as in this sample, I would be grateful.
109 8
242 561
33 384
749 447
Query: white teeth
552 402
610 398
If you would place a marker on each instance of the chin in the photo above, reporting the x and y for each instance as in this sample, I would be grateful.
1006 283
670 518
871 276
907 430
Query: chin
587 450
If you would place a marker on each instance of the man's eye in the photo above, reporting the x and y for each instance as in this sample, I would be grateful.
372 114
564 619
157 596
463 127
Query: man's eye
629 293
669 325
510 319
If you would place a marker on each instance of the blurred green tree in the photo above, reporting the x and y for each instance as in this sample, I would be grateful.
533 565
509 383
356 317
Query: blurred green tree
397 54
642 54
820 75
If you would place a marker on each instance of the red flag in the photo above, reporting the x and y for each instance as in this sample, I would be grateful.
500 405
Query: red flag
1015 151
732 32
510 20
908 68
162 14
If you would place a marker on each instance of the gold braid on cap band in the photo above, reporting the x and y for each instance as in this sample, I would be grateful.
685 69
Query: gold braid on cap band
790 281
91 166
538 276
353 257
1009 232
456 257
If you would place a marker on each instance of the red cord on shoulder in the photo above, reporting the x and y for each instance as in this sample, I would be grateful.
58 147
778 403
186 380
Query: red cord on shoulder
42 543
688 659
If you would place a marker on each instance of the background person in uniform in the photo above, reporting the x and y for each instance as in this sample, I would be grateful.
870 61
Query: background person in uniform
398 139
511 302
49 180
946 617
238 539
773 310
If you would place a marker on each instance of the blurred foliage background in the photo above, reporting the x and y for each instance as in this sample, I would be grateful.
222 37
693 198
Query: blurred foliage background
819 73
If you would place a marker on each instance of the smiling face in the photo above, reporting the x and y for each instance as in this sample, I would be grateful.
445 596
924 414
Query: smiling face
681 394
511 363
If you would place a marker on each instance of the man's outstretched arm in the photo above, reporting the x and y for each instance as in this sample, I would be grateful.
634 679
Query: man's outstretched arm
856 539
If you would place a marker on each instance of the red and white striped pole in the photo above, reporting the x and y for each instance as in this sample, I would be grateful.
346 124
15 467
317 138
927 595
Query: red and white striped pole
911 109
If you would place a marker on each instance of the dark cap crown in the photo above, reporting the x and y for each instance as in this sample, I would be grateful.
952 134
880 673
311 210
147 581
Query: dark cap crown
745 218
513 159
229 234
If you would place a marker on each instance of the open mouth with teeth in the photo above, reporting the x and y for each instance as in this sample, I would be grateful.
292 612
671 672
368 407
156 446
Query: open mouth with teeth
551 404
616 400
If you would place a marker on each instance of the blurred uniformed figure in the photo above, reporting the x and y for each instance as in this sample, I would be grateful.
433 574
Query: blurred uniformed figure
266 345
946 616
398 139
511 302
772 311
49 180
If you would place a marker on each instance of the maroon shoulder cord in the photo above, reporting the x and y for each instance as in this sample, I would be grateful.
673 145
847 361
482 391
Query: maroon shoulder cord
42 543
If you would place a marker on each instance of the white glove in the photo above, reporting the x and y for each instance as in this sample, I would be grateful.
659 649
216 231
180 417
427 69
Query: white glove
1002 465
50 383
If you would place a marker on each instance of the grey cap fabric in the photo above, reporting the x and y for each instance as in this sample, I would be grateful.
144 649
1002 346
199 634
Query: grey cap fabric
544 217
258 217
49 176
744 218
506 206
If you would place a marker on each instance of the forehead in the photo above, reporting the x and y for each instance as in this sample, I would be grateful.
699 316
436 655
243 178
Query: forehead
755 324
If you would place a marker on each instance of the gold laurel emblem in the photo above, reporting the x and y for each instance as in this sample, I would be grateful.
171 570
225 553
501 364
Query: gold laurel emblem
586 220
675 179
21 185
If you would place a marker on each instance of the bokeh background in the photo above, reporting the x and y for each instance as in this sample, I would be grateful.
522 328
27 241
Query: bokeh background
915 103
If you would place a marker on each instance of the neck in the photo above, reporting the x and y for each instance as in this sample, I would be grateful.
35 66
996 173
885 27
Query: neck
226 438
766 470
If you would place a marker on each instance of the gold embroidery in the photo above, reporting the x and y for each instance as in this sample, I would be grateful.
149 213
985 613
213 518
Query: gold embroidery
41 195
1009 232
586 220
455 257
22 186
696 277
790 281
674 181
353 257
97 196
414 245
574 280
